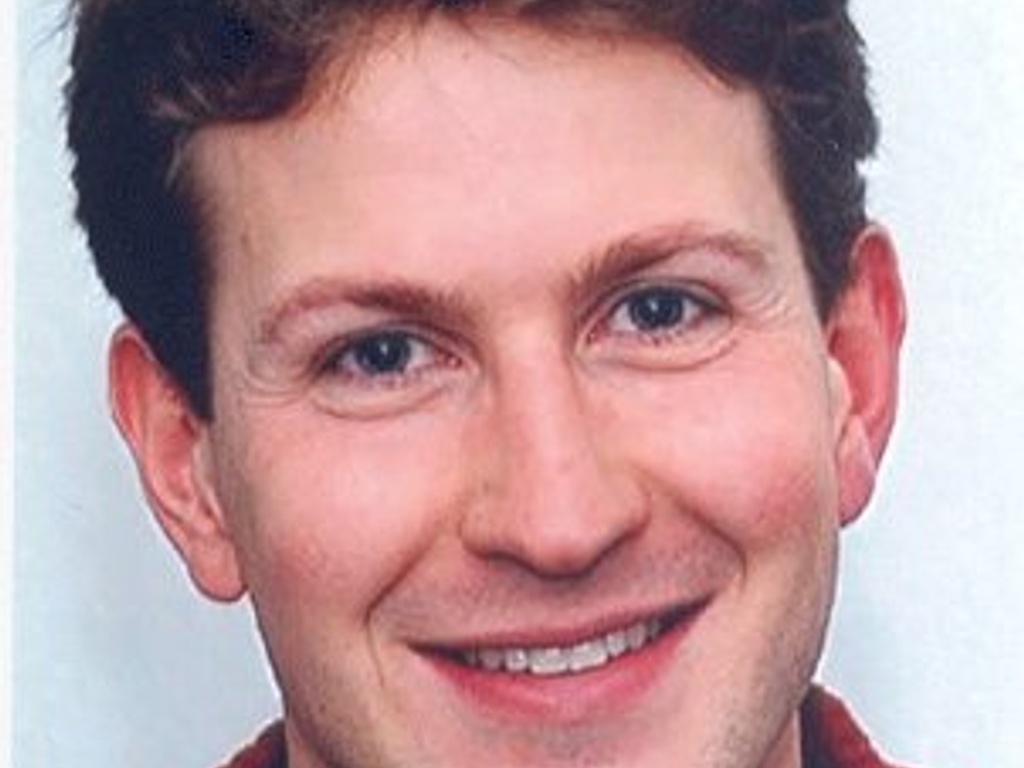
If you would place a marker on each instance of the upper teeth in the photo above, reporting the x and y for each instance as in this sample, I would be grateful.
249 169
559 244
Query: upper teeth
559 660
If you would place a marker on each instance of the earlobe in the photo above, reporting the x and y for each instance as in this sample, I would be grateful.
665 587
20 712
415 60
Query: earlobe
167 442
858 468
864 333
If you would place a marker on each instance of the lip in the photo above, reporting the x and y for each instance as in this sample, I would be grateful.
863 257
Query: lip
614 687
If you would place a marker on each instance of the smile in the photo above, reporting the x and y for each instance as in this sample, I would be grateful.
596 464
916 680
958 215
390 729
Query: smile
583 655
547 661
595 669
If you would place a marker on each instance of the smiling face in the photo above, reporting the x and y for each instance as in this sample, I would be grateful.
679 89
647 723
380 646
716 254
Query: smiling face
529 444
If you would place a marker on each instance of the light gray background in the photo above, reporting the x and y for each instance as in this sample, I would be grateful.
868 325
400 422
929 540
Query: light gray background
118 663
6 370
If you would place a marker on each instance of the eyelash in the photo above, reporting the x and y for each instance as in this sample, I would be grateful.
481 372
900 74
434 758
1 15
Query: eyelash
339 361
692 307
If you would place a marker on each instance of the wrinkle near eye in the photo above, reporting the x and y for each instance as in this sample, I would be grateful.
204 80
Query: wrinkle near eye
661 326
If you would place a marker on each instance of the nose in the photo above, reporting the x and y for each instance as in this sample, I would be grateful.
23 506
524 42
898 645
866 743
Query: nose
554 499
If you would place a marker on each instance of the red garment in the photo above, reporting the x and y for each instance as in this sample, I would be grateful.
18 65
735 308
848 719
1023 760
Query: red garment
831 739
266 752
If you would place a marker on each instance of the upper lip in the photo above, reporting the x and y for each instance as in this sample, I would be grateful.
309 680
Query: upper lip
539 635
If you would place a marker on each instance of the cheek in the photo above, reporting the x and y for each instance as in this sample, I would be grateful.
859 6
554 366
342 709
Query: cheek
747 449
333 513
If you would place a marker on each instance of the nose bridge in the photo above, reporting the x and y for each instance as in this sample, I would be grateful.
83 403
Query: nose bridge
555 501
547 429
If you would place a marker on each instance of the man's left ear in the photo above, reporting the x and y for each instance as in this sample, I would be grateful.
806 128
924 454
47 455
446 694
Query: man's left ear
864 332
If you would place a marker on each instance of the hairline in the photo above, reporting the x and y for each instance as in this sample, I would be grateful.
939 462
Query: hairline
339 68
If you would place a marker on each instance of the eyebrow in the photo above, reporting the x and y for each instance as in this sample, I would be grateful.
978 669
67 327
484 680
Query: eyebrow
451 308
637 252
396 296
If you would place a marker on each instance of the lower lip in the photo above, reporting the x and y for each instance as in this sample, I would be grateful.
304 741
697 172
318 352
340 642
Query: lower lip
605 691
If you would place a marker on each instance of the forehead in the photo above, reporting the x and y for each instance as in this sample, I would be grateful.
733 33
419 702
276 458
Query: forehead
448 138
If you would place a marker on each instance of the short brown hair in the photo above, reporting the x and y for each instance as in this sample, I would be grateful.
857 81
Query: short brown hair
148 74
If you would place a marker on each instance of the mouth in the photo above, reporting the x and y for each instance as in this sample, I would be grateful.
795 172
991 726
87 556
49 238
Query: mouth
595 670
587 652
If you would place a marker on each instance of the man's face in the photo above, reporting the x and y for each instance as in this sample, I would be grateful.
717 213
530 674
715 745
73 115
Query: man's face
526 430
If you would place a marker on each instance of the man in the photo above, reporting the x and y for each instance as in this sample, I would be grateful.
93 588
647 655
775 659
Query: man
521 361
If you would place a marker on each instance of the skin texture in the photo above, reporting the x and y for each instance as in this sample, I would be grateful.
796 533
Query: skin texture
541 464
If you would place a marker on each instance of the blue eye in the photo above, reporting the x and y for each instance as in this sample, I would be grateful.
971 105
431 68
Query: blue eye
662 327
383 354
384 371
658 310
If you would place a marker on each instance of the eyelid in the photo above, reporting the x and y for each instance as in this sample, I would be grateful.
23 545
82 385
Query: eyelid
344 390
446 354
326 362
613 299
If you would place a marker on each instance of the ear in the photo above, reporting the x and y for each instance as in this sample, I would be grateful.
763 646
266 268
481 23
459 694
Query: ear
864 334
170 447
